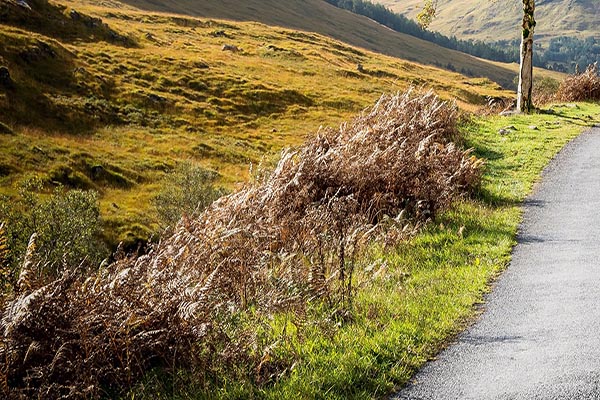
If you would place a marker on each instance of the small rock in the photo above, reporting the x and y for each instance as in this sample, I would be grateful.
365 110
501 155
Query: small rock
156 98
273 130
219 34
534 128
504 131
231 47
510 128
5 79
24 4
508 113
97 170
75 16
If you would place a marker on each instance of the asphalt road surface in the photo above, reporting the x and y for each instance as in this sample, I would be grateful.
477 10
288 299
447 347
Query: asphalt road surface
539 336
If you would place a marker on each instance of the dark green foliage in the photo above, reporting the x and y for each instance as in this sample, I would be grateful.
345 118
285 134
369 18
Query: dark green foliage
188 190
67 224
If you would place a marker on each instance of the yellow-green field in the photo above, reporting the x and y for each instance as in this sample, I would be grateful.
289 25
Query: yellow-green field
140 92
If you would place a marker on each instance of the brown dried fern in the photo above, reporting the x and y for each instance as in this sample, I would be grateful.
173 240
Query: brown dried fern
290 237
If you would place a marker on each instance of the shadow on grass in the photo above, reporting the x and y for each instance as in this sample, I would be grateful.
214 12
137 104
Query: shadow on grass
61 23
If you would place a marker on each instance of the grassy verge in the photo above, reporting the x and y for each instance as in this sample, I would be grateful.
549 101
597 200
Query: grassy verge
432 284
412 299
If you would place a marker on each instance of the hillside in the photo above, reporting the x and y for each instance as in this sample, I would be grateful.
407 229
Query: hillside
320 17
112 98
499 20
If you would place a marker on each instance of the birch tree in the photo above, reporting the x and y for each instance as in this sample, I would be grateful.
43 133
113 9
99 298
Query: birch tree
525 88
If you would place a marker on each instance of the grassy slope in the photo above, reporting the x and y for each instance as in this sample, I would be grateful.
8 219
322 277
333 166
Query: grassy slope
169 93
494 20
321 17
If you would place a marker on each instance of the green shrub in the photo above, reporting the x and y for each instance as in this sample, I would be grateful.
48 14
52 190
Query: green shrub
187 190
67 224
544 89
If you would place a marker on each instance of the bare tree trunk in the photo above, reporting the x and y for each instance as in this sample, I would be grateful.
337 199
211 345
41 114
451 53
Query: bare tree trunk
524 102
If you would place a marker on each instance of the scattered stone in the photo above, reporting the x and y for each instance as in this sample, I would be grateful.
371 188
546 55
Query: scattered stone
5 79
5 129
75 16
493 100
40 51
156 98
273 130
504 131
219 34
231 47
510 128
571 105
534 128
24 4
97 170
508 113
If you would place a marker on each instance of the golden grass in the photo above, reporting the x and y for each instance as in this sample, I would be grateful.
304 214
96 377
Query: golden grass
175 95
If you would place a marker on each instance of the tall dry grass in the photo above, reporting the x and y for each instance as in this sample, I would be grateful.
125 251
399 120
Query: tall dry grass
581 87
289 238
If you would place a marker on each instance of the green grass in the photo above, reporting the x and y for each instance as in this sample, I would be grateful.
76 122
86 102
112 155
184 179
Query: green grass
413 298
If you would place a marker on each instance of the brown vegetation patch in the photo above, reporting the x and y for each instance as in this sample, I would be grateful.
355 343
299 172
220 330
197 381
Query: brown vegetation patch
291 237
581 87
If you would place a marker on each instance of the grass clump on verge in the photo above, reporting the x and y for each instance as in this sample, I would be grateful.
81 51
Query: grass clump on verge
217 297
581 87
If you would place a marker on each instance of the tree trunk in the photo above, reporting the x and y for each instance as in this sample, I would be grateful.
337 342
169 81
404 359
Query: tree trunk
524 103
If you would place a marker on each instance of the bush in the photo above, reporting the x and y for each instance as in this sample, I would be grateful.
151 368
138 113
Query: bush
544 90
188 190
66 224
288 239
581 87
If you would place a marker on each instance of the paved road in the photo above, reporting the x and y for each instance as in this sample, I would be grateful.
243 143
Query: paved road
539 337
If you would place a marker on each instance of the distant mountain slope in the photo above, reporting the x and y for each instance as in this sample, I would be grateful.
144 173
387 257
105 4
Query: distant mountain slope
496 20
321 17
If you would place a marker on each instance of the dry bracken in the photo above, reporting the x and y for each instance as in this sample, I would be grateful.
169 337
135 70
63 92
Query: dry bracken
581 87
289 238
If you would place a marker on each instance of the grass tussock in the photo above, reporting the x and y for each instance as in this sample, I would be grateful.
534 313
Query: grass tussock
288 239
581 87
